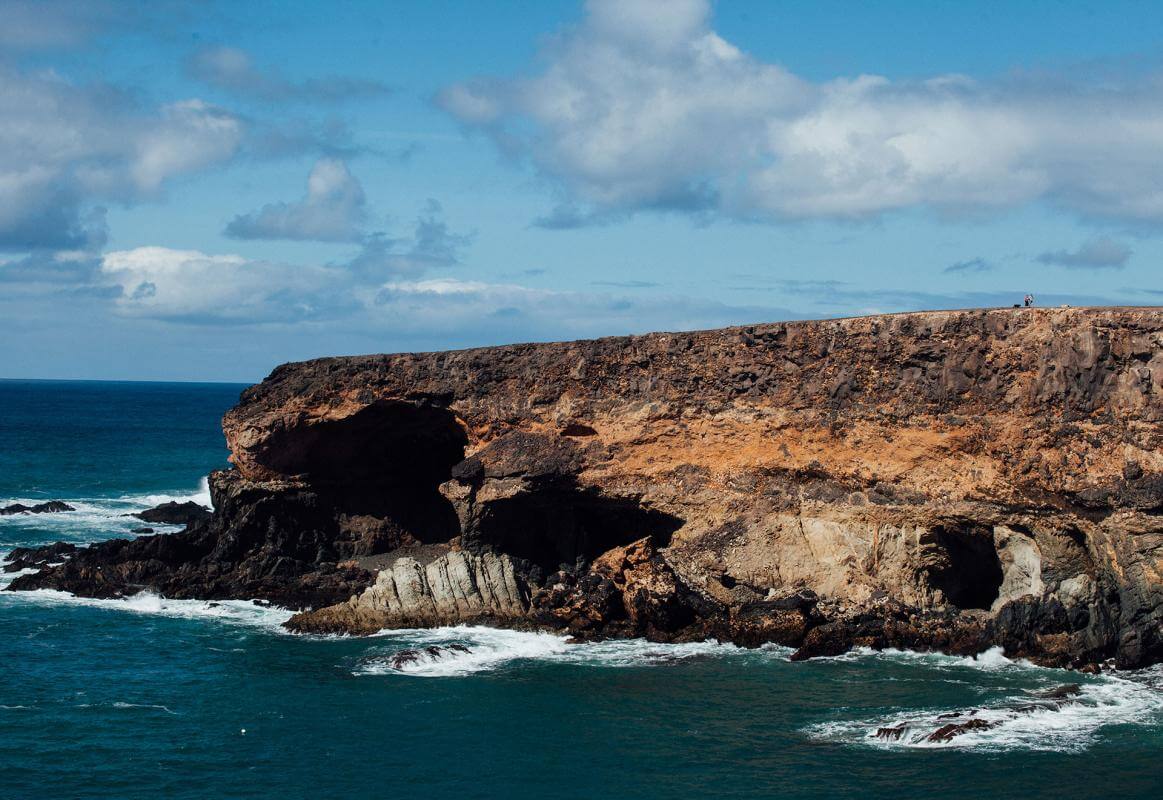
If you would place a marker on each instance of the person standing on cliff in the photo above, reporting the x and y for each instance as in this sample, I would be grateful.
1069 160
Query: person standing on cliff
1029 300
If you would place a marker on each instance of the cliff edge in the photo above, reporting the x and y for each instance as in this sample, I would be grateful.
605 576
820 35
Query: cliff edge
951 480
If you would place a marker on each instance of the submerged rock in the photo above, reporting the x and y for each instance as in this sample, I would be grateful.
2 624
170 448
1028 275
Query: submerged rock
51 507
404 659
947 732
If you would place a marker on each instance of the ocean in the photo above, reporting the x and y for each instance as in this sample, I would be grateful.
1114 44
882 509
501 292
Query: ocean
156 698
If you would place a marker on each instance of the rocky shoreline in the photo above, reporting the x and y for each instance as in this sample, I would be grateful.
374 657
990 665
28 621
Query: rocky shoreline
946 481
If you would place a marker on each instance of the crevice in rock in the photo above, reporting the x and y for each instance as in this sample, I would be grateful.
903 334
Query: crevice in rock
961 562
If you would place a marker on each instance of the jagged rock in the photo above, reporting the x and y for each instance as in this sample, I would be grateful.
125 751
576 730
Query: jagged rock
51 507
947 732
453 588
940 480
22 558
406 658
174 513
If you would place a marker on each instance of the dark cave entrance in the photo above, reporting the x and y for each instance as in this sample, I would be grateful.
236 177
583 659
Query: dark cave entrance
565 527
964 565
382 467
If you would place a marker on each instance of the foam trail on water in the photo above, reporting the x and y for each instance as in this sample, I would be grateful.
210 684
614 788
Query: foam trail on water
492 648
1020 721
991 660
234 612
94 518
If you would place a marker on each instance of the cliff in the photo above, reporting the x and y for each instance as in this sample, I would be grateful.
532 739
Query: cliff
951 480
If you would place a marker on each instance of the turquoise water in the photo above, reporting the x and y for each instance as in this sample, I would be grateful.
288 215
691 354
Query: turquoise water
150 698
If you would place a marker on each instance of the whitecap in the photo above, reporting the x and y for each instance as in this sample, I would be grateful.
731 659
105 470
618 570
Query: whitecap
492 648
145 706
94 518
238 612
1015 723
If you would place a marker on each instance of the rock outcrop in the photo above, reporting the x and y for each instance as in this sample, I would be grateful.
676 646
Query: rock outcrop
950 480
453 588
50 507
174 513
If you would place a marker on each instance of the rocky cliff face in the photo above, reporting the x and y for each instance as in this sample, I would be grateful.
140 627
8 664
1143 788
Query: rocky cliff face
944 479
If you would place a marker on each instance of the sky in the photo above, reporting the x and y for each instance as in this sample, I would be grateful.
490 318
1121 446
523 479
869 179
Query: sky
205 190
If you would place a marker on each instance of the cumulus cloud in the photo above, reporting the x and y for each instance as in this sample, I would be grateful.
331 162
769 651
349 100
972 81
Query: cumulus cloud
191 286
643 106
333 210
64 147
1100 253
232 70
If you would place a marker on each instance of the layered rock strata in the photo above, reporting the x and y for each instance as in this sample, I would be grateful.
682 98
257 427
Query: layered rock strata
950 480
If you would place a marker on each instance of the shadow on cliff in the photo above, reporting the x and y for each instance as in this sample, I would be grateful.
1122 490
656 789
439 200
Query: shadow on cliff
563 526
380 468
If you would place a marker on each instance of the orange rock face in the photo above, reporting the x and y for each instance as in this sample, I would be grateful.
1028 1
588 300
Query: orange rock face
1004 465
950 479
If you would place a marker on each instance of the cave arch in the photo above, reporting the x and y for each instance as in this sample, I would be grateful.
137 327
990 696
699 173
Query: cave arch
963 565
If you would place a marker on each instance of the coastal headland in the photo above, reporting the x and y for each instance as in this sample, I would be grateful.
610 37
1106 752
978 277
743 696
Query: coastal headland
948 480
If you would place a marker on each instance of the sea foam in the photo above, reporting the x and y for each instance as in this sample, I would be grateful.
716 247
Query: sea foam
490 649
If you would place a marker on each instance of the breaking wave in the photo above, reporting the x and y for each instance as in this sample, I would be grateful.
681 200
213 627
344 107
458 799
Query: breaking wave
1022 719
94 518
233 612
487 649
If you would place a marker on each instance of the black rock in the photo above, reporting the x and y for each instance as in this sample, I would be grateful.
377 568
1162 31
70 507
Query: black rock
51 507
404 658
174 513
29 557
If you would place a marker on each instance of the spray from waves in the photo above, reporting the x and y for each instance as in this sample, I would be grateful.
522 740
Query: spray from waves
232 612
487 649
1024 720
94 518
201 497
991 660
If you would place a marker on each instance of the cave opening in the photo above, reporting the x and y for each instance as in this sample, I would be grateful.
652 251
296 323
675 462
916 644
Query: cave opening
380 468
563 527
965 566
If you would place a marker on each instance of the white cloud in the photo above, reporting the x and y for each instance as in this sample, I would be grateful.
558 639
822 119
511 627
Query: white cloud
644 106
334 209
192 286
64 147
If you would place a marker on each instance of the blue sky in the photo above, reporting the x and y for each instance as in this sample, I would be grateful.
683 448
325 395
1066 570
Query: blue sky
205 190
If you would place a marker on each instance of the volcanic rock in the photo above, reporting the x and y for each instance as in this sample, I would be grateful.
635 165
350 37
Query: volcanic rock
174 513
950 480
51 507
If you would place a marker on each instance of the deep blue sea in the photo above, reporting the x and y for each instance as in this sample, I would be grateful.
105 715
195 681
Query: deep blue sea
152 698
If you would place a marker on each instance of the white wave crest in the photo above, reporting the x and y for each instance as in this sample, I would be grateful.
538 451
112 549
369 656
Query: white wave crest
236 612
1019 722
92 518
201 496
992 660
492 648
